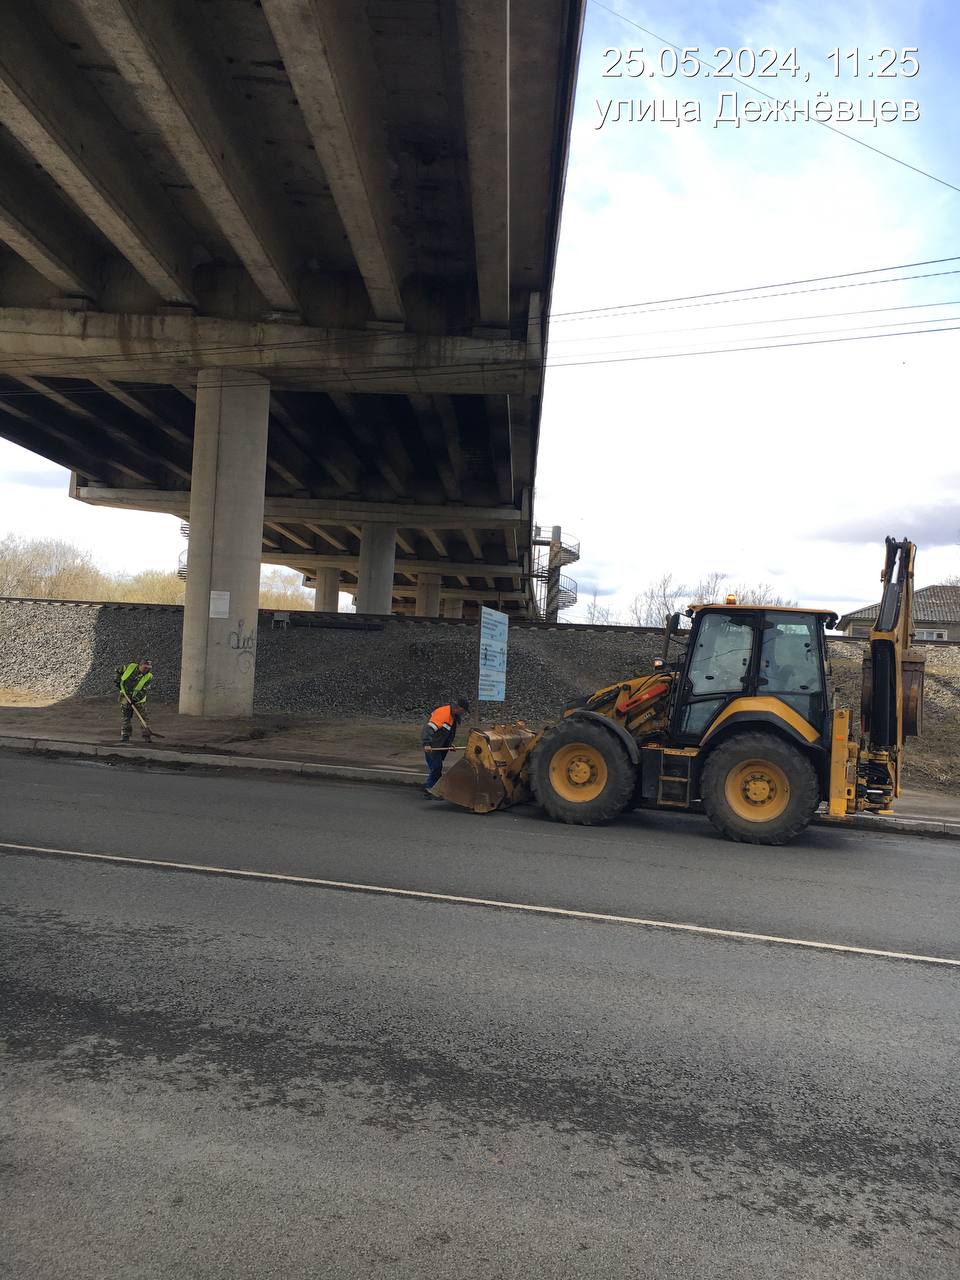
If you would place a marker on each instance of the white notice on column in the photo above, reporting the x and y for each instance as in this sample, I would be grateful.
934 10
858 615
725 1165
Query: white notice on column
219 604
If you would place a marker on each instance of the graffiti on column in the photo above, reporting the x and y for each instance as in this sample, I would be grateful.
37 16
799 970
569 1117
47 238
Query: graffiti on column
243 643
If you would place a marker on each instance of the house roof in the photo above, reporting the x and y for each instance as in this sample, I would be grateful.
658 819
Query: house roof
930 604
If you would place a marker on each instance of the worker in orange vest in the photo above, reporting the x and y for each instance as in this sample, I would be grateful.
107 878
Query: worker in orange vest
439 732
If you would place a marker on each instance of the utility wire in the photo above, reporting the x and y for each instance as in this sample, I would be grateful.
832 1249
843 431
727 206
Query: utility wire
571 361
753 288
925 173
743 324
654 305
26 363
135 385
722 351
773 337
586 357
632 359
647 310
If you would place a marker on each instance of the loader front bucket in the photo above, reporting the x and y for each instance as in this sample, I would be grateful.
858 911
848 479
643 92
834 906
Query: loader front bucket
492 773
472 787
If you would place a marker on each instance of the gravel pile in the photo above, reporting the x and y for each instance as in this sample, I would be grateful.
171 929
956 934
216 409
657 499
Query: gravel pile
61 650
397 672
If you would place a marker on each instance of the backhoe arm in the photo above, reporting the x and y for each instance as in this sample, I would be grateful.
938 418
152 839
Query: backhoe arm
892 697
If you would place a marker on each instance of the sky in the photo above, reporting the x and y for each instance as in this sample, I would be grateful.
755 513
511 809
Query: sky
786 466
782 466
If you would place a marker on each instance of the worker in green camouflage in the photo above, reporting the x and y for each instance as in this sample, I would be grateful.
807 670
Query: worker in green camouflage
133 681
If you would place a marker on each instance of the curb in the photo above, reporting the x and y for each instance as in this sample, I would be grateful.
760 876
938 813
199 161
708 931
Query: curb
207 760
397 777
904 826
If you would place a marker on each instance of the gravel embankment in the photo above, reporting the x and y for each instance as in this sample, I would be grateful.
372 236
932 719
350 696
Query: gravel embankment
63 650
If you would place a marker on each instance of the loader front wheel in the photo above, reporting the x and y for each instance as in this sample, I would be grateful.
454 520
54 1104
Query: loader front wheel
581 773
758 789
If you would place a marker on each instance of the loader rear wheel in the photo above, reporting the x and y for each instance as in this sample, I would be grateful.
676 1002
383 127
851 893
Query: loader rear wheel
581 773
758 789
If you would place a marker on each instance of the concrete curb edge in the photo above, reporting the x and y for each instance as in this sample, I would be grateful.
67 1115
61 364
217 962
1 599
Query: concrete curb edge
384 774
208 760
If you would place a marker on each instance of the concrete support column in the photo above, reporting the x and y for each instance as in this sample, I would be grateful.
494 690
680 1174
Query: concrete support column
428 595
226 532
378 547
326 597
453 607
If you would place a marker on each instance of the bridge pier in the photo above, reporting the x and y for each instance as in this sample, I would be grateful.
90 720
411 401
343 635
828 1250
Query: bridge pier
453 607
226 529
326 596
428 595
378 546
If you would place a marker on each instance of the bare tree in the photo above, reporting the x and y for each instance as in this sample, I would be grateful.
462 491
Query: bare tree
150 586
282 589
707 590
48 568
760 593
599 615
654 605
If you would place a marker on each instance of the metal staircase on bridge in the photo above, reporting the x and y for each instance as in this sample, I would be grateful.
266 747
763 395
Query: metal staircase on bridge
552 551
182 560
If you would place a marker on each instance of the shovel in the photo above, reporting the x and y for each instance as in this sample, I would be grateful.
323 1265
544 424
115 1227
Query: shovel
151 733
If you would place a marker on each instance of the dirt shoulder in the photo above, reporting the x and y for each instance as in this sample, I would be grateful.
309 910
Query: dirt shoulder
311 738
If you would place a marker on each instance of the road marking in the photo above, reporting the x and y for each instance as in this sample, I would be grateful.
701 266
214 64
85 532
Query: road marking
566 913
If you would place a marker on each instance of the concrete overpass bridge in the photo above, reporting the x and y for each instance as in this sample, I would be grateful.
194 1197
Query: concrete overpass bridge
282 269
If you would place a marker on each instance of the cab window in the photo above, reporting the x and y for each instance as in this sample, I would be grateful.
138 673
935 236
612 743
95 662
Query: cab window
790 666
720 662
790 656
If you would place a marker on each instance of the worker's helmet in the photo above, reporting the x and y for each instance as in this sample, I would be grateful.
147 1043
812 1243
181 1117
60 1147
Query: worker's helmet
144 662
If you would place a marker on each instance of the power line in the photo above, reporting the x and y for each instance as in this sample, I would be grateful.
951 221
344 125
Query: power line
569 363
722 351
628 308
743 324
773 337
755 88
72 363
753 288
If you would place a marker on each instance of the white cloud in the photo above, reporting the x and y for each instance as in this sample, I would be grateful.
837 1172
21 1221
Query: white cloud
119 541
740 461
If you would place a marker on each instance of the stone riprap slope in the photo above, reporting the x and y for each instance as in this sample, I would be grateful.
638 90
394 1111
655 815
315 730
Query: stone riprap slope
402 668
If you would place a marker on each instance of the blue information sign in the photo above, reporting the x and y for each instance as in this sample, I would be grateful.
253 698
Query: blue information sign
493 655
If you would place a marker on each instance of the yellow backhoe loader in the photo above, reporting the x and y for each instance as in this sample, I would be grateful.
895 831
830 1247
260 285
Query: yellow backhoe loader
738 726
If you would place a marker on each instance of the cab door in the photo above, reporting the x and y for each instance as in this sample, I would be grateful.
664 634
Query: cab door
720 666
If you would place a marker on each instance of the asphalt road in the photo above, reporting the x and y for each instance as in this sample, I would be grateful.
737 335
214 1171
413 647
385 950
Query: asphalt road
208 1076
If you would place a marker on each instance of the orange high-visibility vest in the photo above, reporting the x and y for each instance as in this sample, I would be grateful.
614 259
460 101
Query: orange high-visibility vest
442 718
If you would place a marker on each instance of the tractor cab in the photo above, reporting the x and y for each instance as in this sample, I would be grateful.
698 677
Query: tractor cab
748 661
